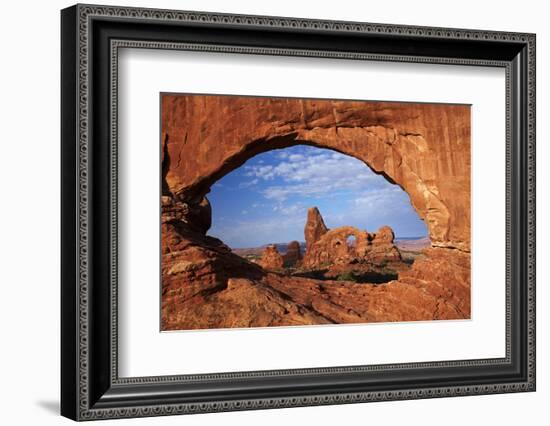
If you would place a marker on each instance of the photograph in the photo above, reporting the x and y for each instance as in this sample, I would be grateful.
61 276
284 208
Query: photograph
279 211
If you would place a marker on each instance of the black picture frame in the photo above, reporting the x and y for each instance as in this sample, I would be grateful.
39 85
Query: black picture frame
90 386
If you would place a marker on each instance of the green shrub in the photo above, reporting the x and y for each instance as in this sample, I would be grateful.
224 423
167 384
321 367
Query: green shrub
347 276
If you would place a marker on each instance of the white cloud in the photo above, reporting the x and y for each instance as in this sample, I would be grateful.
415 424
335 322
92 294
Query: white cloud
296 157
315 175
292 209
248 184
264 172
380 198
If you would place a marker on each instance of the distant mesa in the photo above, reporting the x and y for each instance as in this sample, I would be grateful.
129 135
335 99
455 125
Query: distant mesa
412 244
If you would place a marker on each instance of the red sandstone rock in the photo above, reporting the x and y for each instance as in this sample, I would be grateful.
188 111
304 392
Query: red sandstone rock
244 303
384 235
194 266
315 227
445 274
271 258
293 255
196 216
278 300
347 245
205 285
382 248
424 148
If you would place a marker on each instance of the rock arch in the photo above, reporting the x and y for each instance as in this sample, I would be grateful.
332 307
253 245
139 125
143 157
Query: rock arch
423 148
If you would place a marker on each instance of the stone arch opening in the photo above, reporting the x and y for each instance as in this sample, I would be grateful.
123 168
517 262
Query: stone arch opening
351 241
201 187
195 196
422 148
347 243
428 207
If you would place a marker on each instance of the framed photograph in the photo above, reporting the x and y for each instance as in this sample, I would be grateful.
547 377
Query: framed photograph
263 212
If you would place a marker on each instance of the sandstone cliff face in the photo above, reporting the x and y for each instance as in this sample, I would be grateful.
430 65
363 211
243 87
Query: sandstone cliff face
424 148
193 268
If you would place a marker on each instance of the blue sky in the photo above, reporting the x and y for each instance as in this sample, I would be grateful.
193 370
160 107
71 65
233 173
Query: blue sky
266 200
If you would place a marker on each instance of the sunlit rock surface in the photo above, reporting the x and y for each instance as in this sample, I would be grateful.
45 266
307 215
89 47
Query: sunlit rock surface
424 148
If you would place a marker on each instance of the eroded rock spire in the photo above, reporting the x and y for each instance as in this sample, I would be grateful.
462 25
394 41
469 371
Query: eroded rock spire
315 227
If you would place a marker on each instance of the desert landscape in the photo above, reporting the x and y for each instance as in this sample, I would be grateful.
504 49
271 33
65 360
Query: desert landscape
344 274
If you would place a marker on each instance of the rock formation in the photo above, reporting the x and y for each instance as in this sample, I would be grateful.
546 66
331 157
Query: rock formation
279 300
315 227
195 266
271 258
424 148
382 247
347 245
244 303
197 216
205 285
293 255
